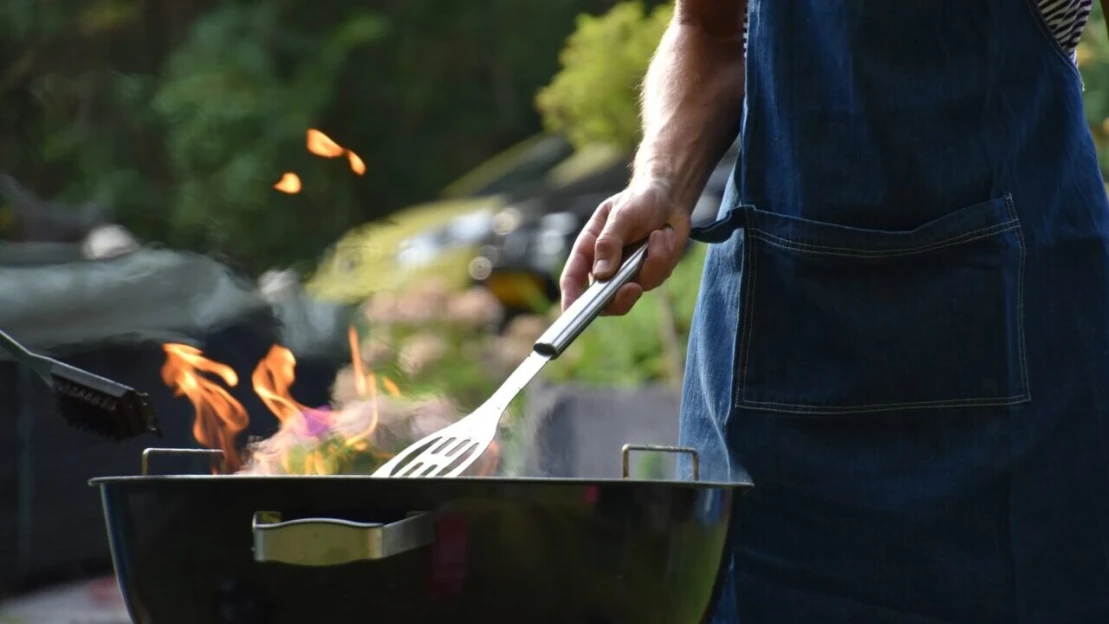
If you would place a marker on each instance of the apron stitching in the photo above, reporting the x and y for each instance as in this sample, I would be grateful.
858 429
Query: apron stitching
816 249
881 407
748 318
1013 224
1020 299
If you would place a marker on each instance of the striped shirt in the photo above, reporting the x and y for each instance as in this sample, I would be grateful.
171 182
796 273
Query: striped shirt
1066 19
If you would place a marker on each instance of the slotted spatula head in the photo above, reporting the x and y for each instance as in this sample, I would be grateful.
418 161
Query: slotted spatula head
445 453
450 451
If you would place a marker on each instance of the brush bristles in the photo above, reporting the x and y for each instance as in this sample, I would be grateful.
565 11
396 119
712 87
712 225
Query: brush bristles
101 406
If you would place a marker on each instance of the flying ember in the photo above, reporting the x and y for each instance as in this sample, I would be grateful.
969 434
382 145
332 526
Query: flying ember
322 145
289 183
356 164
325 147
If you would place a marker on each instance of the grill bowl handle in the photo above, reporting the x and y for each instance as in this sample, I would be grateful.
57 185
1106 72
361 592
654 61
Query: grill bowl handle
655 448
323 542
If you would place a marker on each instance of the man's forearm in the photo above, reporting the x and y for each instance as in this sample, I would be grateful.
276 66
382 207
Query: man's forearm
692 97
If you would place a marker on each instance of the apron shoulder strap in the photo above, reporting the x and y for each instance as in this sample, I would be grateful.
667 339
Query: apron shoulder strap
721 230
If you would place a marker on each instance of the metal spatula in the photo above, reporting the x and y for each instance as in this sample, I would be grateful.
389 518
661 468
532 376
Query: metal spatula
451 450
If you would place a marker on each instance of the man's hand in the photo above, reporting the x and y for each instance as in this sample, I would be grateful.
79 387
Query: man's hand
636 213
692 98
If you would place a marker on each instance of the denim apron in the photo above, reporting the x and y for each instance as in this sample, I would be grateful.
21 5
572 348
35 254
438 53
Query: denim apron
902 334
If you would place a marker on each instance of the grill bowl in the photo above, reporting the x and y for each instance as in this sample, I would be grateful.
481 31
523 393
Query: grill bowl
186 549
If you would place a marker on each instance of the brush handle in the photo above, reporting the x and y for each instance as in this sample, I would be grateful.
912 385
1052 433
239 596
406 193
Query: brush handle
39 364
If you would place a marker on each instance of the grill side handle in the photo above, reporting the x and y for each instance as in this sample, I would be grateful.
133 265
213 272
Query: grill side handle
655 448
324 542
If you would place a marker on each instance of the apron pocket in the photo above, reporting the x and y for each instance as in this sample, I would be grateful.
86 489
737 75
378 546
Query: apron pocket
836 319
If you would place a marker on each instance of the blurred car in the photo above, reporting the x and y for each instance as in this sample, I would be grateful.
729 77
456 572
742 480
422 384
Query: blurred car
520 260
439 238
530 239
519 166
387 254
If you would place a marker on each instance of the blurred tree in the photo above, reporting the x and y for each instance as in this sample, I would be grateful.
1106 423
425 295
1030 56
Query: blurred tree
1093 61
181 115
234 104
594 98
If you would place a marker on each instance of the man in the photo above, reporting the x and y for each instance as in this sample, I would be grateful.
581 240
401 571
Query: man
902 336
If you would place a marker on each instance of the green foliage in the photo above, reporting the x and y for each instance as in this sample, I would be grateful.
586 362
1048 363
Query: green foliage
234 119
189 154
593 99
1093 60
182 116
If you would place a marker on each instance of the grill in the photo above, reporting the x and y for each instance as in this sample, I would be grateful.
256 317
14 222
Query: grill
240 549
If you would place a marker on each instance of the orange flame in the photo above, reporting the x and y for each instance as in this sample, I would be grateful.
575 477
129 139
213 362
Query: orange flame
488 462
272 379
390 387
356 361
289 183
322 145
361 382
356 164
219 416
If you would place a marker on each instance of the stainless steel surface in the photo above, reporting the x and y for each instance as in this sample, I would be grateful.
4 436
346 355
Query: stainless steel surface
506 551
148 453
323 542
588 307
450 451
656 448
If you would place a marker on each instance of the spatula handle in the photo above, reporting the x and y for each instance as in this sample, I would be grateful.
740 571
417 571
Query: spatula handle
589 306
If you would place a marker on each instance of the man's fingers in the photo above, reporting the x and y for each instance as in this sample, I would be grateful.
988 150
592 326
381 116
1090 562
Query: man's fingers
663 250
622 228
624 300
622 220
575 275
